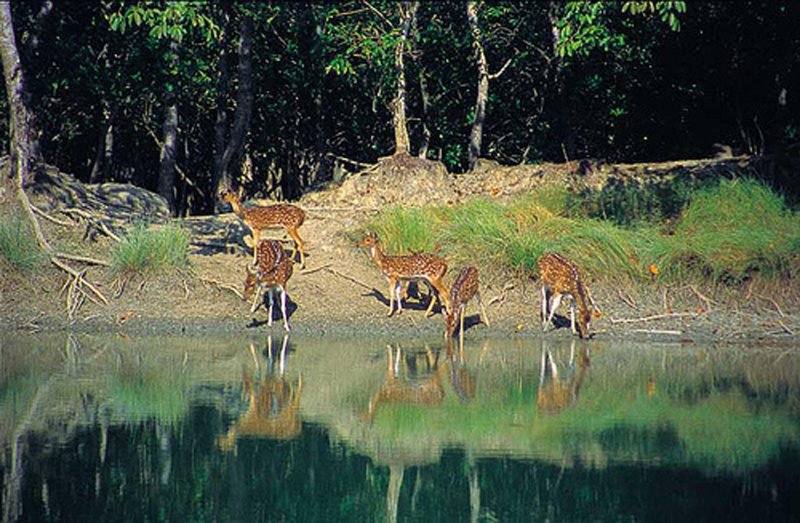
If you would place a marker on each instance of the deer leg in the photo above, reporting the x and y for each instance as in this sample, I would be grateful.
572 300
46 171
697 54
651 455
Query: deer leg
391 296
399 298
283 308
269 320
444 297
553 307
543 311
299 245
572 308
256 238
461 311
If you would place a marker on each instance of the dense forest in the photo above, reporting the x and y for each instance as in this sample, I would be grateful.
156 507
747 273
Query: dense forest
184 97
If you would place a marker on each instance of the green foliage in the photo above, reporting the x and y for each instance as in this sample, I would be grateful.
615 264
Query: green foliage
149 251
18 245
731 230
171 20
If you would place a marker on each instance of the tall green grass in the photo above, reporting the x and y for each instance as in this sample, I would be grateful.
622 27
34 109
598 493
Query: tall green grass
149 251
727 231
18 245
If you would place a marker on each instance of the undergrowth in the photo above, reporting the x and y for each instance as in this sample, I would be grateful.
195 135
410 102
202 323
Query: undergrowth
18 245
150 251
726 232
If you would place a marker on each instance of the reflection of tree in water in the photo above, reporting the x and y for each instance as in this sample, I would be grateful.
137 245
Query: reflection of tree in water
559 391
273 401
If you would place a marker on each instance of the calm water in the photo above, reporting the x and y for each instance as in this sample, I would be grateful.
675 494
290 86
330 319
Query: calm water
112 428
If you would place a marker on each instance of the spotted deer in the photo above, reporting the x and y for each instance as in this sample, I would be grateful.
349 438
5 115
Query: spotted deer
561 277
271 273
464 288
418 266
257 218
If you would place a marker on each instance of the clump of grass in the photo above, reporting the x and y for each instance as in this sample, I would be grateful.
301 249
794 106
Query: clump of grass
402 230
733 230
18 245
149 251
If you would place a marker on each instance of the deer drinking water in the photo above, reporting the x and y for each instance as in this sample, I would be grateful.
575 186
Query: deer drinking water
464 288
561 277
285 215
417 266
271 272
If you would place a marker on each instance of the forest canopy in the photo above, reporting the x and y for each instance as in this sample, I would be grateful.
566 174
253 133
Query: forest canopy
184 97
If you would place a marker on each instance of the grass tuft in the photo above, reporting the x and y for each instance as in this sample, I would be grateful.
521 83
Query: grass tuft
149 251
18 245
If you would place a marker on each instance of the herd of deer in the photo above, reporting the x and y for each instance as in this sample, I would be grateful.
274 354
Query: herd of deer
272 268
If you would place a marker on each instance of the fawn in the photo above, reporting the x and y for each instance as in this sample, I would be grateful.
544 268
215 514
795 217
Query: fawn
561 277
464 288
417 266
272 270
257 218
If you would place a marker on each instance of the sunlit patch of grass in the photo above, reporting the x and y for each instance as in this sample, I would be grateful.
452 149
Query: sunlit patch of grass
149 251
736 229
729 230
18 245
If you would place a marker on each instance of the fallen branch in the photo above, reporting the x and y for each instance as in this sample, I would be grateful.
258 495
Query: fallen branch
703 297
219 284
657 331
654 317
774 304
83 259
315 269
785 328
346 277
351 162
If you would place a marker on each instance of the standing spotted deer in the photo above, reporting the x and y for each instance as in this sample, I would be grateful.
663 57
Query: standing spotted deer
464 288
417 266
561 277
271 272
285 215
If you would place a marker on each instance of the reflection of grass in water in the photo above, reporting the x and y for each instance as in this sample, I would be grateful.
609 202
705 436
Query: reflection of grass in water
720 432
149 395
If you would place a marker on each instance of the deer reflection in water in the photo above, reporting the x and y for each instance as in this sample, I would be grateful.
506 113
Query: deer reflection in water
559 391
273 401
410 388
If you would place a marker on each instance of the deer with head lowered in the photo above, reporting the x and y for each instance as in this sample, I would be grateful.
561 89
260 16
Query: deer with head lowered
410 267
285 215
271 273
464 288
562 278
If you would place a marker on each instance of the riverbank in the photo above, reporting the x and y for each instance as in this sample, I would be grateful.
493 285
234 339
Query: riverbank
341 292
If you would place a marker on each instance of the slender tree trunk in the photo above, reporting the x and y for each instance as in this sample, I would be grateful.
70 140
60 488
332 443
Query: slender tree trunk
244 104
554 74
169 147
402 143
476 133
24 152
426 103
221 123
101 168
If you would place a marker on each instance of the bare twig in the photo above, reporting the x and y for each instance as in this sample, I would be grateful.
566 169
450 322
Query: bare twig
83 259
315 269
785 328
702 296
657 331
219 284
774 304
346 277
627 300
654 317
351 162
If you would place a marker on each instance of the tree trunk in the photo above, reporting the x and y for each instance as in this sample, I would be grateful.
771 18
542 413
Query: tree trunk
402 143
244 103
24 152
101 168
426 103
221 123
169 147
476 133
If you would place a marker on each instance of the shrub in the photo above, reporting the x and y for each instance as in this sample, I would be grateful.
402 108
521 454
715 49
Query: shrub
18 245
153 250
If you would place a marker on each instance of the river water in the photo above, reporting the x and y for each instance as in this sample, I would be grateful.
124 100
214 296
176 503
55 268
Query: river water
260 428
